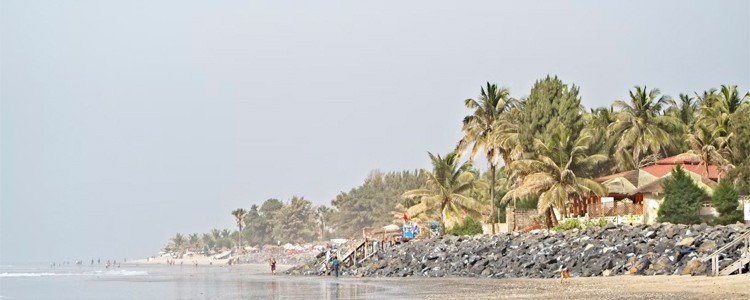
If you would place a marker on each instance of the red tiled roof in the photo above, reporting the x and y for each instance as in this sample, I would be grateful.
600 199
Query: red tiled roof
678 159
665 166
661 170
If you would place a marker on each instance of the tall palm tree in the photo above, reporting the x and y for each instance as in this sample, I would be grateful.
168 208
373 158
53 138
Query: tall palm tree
684 110
480 131
194 240
448 187
729 99
552 175
717 108
239 217
640 127
709 147
179 241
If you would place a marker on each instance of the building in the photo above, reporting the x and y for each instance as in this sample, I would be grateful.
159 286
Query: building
634 196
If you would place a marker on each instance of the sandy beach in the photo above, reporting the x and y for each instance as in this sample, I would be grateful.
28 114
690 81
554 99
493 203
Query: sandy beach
196 259
616 287
254 281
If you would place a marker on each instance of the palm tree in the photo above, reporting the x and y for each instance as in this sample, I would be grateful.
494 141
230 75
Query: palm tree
709 147
239 217
194 241
179 241
448 186
729 99
717 108
552 175
640 127
684 111
322 217
480 129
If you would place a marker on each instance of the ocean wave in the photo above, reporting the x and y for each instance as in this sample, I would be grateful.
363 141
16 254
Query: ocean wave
95 273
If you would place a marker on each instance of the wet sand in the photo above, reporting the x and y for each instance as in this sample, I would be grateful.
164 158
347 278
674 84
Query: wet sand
254 281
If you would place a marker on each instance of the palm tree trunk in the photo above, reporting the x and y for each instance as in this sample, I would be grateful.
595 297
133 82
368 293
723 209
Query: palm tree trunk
444 214
550 219
492 197
239 239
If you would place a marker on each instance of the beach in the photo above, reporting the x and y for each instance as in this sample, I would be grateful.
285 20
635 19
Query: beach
254 281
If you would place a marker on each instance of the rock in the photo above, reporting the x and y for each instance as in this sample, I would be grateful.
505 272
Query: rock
708 246
615 250
691 267
686 241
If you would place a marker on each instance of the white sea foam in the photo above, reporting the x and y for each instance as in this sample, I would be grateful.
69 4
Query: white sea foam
95 273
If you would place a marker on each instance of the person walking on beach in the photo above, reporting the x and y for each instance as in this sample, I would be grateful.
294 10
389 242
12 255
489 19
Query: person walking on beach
336 266
273 266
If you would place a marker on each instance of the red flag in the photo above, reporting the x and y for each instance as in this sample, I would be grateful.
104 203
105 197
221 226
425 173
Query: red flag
405 217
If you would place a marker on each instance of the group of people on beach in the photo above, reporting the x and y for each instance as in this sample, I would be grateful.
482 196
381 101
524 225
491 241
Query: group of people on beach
107 264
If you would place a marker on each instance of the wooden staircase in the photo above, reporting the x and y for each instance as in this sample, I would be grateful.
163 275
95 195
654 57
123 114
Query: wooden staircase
351 257
735 266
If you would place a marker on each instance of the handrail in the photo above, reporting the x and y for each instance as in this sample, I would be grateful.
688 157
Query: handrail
725 247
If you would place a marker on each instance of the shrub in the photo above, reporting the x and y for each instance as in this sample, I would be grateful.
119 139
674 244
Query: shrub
726 202
468 227
576 224
568 224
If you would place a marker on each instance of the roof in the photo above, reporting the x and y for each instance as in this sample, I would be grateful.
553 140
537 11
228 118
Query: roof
679 159
656 186
648 179
663 170
619 185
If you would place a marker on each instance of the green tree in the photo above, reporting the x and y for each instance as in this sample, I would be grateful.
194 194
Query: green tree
448 186
373 203
739 128
640 128
726 202
294 223
682 200
729 100
685 111
550 105
480 129
601 142
263 225
551 176
253 226
708 147
323 216
194 241
178 241
208 240
239 218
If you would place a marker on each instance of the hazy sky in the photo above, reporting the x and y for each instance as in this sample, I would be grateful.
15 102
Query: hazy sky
126 122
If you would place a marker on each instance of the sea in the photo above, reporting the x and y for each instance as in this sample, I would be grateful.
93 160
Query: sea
30 281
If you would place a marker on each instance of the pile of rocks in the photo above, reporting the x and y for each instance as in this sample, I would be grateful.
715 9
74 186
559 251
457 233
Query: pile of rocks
601 251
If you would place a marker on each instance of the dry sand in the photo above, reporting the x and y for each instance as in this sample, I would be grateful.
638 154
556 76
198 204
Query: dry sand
618 287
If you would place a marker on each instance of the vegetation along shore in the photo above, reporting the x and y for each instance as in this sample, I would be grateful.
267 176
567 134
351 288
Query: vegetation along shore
642 186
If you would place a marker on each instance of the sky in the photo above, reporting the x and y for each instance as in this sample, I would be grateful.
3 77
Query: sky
124 122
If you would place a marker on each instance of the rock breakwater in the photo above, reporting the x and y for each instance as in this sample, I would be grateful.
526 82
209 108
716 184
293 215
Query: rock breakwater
658 249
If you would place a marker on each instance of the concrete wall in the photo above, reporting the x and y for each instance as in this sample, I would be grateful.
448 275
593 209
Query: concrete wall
520 219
